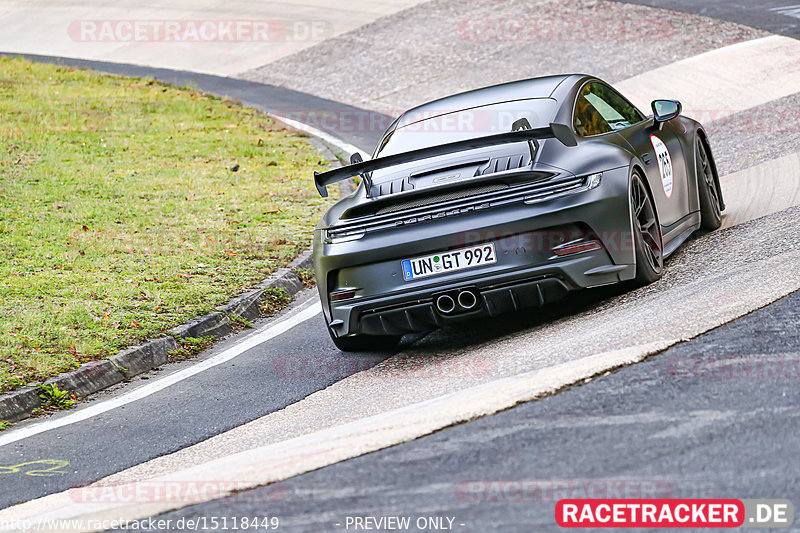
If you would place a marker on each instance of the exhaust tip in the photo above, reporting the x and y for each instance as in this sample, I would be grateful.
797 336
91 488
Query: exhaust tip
467 299
445 304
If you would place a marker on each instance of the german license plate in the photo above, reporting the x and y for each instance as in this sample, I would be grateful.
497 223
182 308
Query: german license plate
443 262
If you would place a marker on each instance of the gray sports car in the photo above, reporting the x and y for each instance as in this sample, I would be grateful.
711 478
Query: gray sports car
506 198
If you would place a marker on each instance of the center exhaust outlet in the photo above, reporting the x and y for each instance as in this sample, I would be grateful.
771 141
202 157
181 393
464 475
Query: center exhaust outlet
445 304
467 300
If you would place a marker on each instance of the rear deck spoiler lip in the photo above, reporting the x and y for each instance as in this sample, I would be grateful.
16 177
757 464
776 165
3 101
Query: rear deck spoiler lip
561 132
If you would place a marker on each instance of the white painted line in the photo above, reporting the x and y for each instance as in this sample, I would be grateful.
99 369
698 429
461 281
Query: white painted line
274 462
282 460
789 11
719 83
93 410
346 147
741 190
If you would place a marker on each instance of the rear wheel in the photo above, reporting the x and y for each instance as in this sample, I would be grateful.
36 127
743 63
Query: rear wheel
365 343
646 234
710 212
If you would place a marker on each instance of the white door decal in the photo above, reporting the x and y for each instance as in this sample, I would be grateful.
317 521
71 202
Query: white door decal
664 164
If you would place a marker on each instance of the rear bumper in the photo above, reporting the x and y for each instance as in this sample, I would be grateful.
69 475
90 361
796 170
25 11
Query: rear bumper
527 273
492 301
525 288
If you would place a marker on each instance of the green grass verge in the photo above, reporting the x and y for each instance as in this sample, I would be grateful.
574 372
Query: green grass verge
120 216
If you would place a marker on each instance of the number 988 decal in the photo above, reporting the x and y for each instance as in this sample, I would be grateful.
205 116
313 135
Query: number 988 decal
664 164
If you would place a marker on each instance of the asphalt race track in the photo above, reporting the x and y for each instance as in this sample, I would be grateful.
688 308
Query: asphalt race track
691 422
775 16
662 425
192 410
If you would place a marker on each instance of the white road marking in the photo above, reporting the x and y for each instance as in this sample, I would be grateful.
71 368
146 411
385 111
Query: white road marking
278 461
417 374
346 147
789 11
265 464
93 410
272 331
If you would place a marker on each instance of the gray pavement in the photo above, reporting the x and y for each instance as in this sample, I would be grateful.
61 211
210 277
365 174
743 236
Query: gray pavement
775 16
714 417
442 47
760 134
198 35
263 380
701 289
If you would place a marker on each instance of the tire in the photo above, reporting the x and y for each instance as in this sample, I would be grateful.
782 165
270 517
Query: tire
710 212
647 240
365 343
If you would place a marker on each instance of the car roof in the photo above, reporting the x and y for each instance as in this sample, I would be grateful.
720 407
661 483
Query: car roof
542 87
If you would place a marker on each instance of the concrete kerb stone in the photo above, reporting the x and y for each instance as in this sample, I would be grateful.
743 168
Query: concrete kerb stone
97 375
19 404
140 359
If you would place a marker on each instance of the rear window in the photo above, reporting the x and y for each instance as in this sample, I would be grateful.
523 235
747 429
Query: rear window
467 124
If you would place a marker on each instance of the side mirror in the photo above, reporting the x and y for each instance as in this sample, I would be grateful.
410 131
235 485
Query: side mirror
665 110
356 158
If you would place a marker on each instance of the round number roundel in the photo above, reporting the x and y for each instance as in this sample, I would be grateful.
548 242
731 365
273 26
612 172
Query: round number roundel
664 164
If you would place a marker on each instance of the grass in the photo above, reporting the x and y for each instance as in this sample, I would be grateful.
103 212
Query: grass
188 347
275 298
121 216
306 276
54 398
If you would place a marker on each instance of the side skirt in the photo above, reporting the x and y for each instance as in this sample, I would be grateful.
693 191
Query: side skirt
677 234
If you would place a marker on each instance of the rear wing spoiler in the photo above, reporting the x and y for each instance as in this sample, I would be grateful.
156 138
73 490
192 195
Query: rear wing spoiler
561 132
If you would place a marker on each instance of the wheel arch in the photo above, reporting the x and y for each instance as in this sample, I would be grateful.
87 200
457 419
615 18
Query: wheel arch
643 275
703 137
636 166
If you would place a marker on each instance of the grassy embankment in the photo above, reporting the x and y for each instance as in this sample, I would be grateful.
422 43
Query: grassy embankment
121 216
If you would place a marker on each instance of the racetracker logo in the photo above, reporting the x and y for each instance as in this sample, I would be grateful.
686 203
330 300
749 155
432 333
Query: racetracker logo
544 241
181 492
728 122
650 513
339 367
553 490
761 366
440 122
683 513
198 31
596 29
